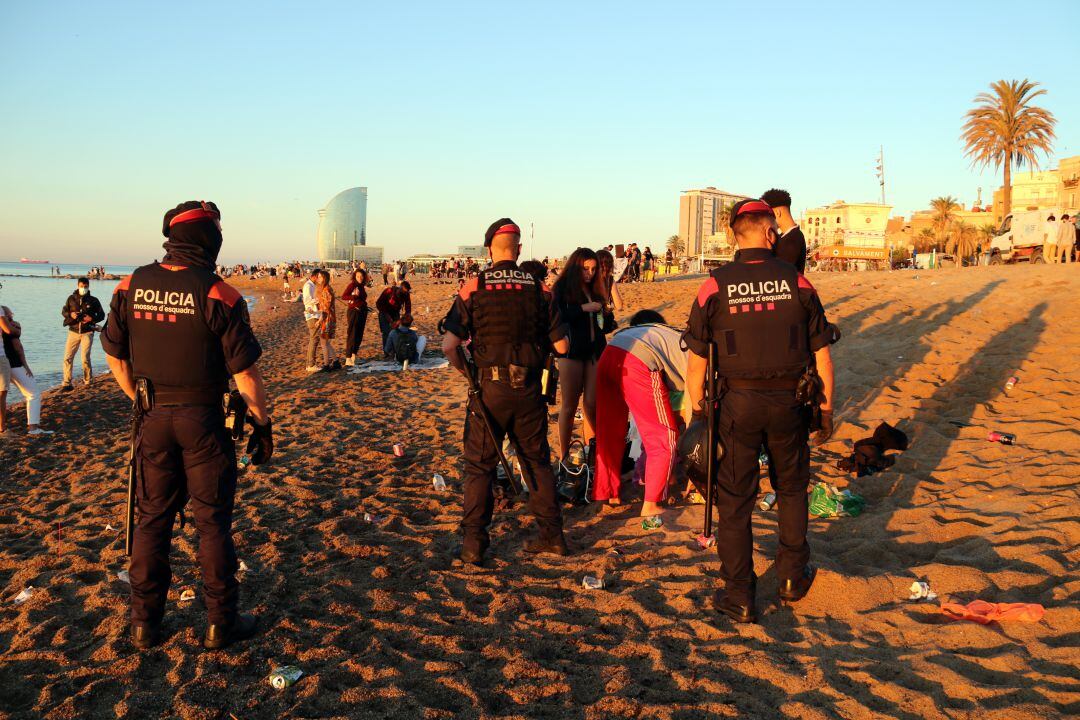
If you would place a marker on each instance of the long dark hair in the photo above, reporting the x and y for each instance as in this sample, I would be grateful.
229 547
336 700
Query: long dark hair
366 279
605 268
571 285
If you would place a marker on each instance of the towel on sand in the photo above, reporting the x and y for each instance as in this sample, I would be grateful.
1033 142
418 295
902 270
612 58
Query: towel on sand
428 363
985 613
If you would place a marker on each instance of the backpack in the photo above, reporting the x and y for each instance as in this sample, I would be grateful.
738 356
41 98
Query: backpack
405 347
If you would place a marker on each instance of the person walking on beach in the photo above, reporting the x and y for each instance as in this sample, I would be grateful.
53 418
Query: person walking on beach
580 294
312 317
511 325
643 367
176 332
15 369
324 298
766 326
1066 238
82 312
355 297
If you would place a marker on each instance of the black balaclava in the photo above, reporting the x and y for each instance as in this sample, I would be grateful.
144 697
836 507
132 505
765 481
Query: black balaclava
196 242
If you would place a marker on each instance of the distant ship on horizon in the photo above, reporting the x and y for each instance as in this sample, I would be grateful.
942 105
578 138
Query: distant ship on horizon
27 261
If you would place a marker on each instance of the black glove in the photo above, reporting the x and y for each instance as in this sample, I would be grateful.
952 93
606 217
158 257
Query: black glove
826 430
261 443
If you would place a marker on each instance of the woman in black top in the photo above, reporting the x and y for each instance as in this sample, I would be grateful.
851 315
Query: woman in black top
582 297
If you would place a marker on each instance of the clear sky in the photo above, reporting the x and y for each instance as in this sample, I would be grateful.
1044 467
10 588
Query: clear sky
585 118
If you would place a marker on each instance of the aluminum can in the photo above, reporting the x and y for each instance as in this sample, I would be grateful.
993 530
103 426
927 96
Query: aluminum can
706 542
1012 382
283 677
399 450
1001 437
653 522
592 583
768 501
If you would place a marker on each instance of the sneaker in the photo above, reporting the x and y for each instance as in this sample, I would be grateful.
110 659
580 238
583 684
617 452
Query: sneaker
39 431
313 368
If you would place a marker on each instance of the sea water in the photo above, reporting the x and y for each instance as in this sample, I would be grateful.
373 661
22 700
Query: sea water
37 300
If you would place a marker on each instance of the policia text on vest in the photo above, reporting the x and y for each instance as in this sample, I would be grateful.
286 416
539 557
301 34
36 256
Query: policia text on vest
511 326
178 332
768 329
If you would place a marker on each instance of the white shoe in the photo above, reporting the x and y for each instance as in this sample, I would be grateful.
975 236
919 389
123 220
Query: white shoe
39 431
350 362
313 368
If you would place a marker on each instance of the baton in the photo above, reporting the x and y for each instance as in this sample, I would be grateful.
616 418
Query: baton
474 394
129 524
710 437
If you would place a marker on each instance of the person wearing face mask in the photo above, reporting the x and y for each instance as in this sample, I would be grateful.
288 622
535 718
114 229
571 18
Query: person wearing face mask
767 330
176 333
81 313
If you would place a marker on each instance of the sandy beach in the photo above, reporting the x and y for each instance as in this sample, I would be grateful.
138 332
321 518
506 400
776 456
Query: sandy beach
385 624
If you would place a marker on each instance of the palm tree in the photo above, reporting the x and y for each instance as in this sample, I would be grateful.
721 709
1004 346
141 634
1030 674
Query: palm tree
924 240
1005 129
675 245
944 208
962 241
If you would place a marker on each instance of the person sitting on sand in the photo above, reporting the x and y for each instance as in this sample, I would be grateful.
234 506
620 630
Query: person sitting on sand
642 373
403 344
391 303
15 368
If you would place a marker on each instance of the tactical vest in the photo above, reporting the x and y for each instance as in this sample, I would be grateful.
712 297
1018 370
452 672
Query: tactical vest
759 325
170 341
509 313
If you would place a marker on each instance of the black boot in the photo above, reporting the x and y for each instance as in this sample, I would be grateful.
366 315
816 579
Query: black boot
795 589
219 635
555 545
144 637
739 611
472 552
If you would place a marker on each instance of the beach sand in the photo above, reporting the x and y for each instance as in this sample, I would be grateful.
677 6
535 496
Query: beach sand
386 624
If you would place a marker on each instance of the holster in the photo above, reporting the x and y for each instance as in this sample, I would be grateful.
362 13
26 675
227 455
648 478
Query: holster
235 414
549 380
519 376
808 393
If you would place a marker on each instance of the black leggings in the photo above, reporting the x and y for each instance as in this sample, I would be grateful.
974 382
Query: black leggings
357 320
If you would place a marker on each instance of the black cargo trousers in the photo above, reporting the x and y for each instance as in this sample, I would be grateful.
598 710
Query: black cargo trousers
748 420
184 451
521 414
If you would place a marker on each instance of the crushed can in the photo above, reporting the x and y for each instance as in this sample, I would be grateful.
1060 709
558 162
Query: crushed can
1001 437
704 543
767 502
1012 382
592 583
653 522
285 676
399 450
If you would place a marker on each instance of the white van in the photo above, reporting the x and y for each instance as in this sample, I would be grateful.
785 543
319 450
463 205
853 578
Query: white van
1022 236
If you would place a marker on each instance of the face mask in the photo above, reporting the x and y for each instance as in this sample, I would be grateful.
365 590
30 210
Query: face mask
83 291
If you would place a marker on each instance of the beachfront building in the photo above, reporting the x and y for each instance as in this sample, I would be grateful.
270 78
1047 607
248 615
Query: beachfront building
702 227
343 225
371 256
847 231
1056 189
477 252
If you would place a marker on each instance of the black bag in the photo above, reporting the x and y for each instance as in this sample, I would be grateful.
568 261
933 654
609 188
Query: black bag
405 347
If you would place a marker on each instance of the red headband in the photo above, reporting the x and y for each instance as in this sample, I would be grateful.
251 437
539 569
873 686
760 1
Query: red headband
203 213
510 229
755 206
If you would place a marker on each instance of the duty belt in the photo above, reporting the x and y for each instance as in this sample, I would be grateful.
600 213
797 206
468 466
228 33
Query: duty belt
498 373
176 397
762 383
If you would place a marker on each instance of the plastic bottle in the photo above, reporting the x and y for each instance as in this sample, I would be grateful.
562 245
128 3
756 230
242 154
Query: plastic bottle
438 482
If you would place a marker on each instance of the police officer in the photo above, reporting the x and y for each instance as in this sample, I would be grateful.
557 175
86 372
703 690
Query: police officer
185 331
511 324
768 326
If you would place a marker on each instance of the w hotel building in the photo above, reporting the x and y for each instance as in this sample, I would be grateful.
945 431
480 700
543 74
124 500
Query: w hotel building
702 218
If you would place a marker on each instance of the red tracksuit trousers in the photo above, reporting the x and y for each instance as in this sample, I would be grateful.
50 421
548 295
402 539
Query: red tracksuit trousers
624 386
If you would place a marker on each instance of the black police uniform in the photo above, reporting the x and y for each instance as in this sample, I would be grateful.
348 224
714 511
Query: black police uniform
187 331
766 321
510 320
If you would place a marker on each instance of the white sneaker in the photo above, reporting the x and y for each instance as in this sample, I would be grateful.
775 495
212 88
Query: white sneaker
313 368
39 431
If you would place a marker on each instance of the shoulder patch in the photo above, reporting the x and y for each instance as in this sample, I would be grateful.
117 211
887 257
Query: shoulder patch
804 284
708 289
469 288
123 284
224 292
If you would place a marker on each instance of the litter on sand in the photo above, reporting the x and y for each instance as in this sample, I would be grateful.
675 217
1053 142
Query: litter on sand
282 677
829 501
24 595
920 590
704 543
187 594
123 576
984 612
243 567
592 583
